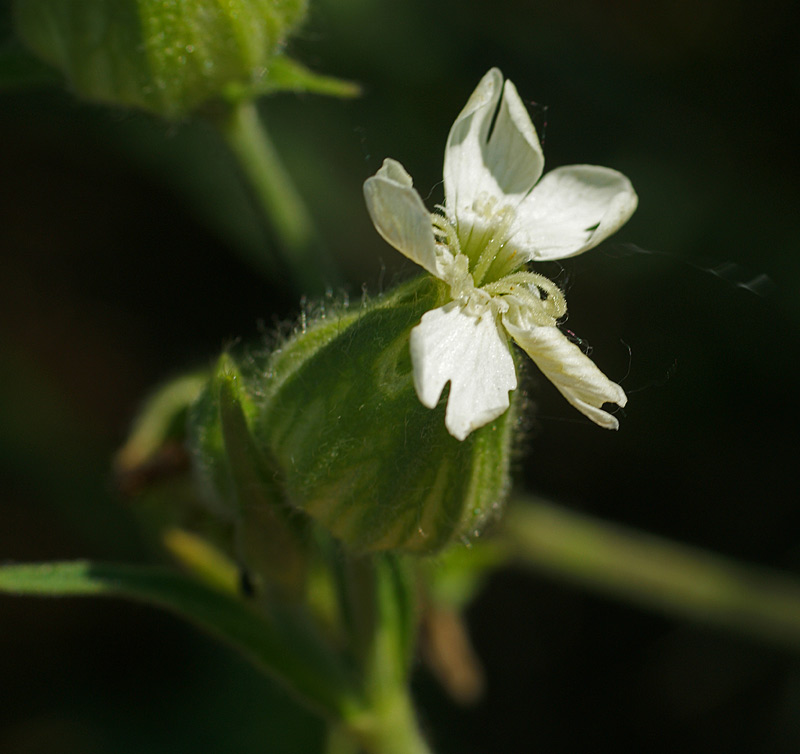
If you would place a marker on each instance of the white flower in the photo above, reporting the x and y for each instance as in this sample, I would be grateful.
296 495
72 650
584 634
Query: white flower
497 217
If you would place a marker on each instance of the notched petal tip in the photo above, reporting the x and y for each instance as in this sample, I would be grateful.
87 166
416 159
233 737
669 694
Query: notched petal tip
464 168
597 415
399 214
573 373
486 94
492 149
571 210
472 354
514 155
392 170
620 210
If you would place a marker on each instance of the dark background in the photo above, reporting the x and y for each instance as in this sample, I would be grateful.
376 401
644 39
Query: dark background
130 252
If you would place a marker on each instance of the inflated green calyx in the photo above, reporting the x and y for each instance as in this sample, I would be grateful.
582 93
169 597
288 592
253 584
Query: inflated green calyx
165 56
349 443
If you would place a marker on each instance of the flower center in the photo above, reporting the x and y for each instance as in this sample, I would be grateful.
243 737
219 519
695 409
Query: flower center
484 269
483 232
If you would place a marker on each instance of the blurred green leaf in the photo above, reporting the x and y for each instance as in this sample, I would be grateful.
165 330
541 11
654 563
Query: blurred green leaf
281 646
286 74
270 536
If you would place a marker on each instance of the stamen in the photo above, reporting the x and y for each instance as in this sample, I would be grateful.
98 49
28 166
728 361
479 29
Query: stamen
445 233
529 306
540 296
553 301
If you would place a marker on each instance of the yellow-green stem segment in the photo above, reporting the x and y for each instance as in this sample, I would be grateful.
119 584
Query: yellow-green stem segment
389 727
641 568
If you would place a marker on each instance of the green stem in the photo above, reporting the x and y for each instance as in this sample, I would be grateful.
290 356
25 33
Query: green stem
378 604
670 577
339 741
390 727
310 268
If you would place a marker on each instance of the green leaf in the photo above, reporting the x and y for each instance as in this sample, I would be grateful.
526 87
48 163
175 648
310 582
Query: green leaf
270 536
282 645
287 75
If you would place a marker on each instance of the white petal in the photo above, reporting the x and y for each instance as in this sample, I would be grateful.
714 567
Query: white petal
504 165
472 354
570 210
574 374
399 214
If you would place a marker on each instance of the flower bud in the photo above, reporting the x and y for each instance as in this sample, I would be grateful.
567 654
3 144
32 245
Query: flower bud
353 446
162 56
237 481
155 446
212 462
